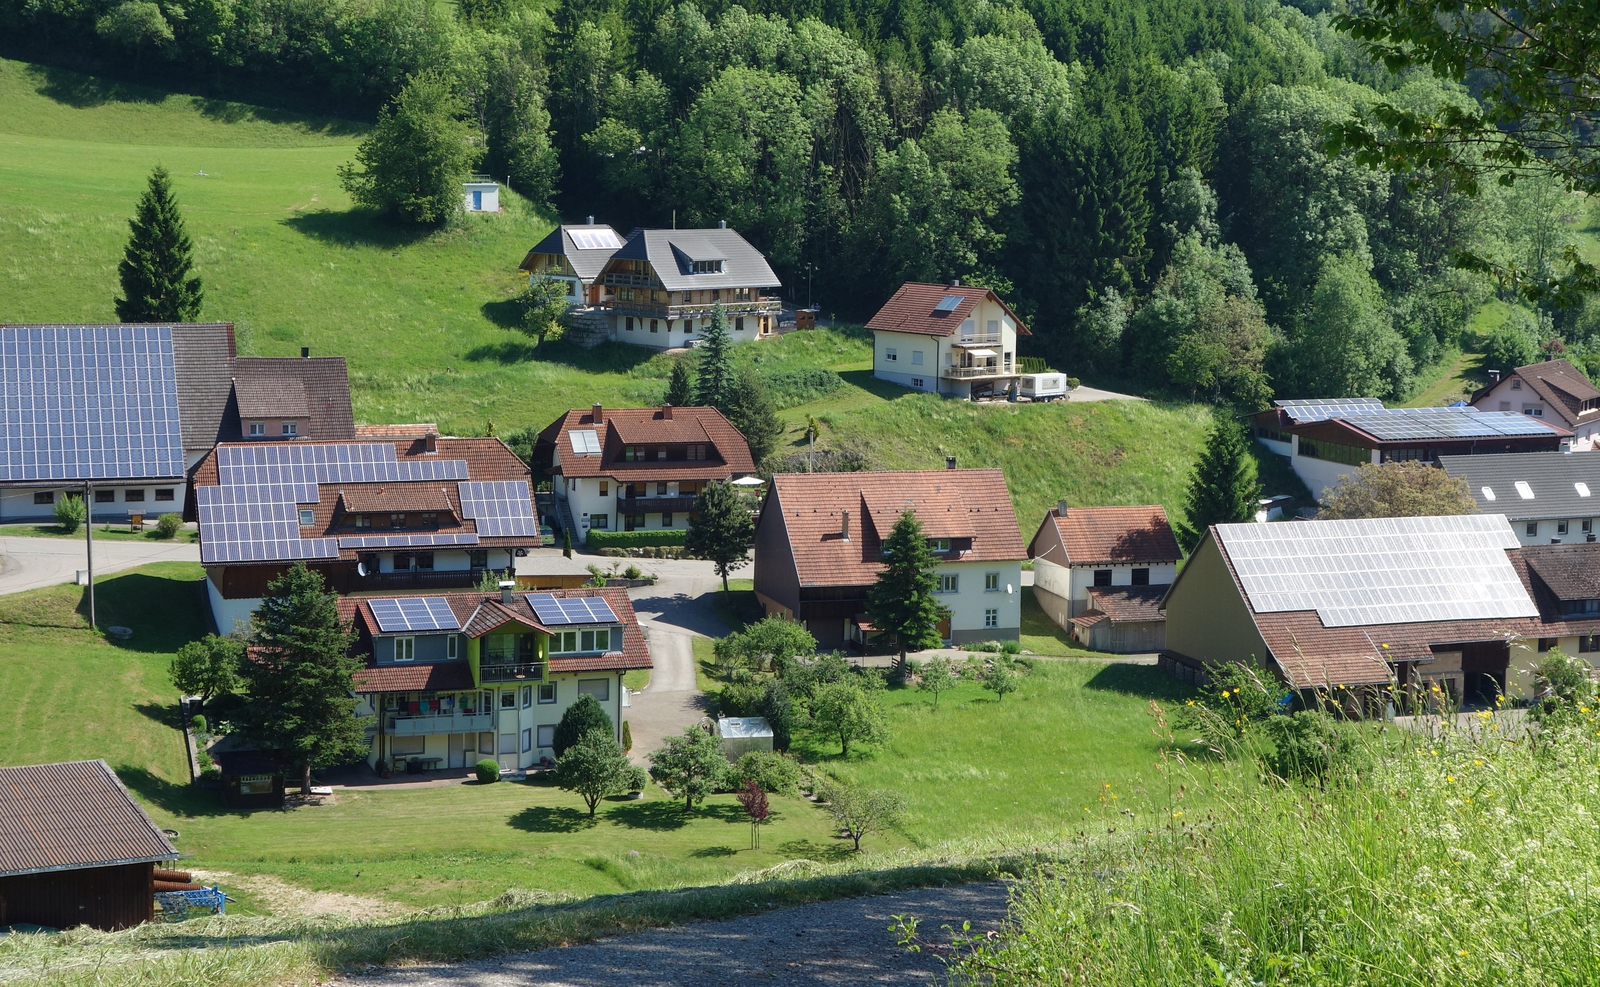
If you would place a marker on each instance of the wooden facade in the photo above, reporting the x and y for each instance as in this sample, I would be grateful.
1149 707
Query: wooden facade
107 898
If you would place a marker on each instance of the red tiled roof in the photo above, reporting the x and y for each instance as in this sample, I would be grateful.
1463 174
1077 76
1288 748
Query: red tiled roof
812 506
914 308
441 677
1128 603
1099 535
72 815
383 498
408 431
620 427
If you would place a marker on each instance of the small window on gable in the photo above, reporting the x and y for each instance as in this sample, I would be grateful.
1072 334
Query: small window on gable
1516 385
258 429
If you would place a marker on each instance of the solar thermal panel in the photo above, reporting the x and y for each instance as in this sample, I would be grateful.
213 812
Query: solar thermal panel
1380 570
414 613
949 303
585 441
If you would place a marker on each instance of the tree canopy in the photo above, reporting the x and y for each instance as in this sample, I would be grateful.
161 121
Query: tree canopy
415 159
1397 490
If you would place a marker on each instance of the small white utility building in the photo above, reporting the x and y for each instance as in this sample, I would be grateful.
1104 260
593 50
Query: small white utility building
481 195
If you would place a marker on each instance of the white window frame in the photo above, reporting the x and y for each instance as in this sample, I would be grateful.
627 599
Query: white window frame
991 618
553 693
451 646
405 649
258 429
891 354
586 688
991 582
949 582
508 699
308 518
291 428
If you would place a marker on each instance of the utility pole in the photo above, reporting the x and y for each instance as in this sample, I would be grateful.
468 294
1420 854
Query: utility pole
809 268
88 540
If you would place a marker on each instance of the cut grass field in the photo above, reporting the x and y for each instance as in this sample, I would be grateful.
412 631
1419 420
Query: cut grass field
398 849
115 534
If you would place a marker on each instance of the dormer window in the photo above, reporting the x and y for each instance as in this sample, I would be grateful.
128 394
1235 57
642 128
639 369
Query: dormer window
397 520
363 521
1580 608
706 266
939 544
258 429
291 428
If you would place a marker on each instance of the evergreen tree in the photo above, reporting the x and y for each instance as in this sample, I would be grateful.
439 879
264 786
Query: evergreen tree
717 379
755 416
680 387
155 267
720 529
582 717
298 677
1224 488
901 603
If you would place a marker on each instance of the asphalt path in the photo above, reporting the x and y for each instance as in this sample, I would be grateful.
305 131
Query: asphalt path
672 613
30 563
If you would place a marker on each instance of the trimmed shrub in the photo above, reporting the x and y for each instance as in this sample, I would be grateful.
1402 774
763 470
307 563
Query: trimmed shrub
70 513
772 771
627 736
197 723
488 771
636 539
740 699
638 778
168 525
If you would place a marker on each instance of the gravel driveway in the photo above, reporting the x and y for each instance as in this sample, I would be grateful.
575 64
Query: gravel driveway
832 942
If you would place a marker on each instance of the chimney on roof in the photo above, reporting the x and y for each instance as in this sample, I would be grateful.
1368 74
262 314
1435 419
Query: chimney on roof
722 224
666 412
305 352
506 586
955 282
1061 508
591 220
844 525
430 443
596 413
949 462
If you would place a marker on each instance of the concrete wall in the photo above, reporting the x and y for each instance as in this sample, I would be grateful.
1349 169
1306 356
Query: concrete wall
1207 619
16 503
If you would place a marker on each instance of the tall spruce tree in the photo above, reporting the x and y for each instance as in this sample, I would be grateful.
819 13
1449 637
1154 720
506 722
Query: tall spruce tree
1224 487
754 414
902 603
717 381
298 677
720 529
155 268
680 387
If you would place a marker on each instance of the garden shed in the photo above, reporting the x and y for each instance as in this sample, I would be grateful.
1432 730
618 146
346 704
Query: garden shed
75 848
250 779
742 734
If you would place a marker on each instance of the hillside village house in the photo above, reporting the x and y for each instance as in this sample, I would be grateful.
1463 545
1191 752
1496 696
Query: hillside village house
819 548
657 288
1352 607
1100 573
637 469
947 339
370 516
129 409
1554 390
1326 438
457 677
1549 497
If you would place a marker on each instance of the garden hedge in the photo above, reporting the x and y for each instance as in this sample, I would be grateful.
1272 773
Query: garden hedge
636 539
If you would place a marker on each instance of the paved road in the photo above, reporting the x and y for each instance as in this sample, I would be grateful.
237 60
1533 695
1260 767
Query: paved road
29 563
1083 394
835 942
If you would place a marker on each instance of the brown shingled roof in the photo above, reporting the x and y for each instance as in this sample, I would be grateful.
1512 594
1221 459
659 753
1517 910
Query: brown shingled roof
728 456
322 380
813 504
1128 603
1570 572
72 815
914 308
1101 535
1562 385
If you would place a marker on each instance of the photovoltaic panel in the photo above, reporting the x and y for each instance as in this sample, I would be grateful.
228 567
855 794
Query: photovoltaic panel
1400 424
1321 409
238 527
88 403
407 541
414 613
345 462
1380 570
502 508
553 611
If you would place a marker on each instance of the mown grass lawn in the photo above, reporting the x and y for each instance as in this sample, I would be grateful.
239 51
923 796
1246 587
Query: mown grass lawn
101 531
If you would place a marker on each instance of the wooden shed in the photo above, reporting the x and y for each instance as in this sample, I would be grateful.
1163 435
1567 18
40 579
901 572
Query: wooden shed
250 779
75 848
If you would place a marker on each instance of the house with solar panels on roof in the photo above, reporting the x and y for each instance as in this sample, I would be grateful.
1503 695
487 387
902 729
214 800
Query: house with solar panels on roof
370 516
637 469
1347 609
1325 439
1554 390
950 339
454 678
129 409
575 255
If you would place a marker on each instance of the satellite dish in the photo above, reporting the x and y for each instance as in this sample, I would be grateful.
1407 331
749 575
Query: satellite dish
1010 589
361 569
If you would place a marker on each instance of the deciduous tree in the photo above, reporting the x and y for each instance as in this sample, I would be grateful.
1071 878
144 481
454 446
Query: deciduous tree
1397 490
207 668
848 712
298 677
901 602
156 266
414 160
766 645
1000 677
936 678
720 529
543 302
689 766
594 767
753 799
860 811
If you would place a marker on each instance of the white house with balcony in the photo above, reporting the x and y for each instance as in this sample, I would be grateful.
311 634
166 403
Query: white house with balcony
660 287
948 339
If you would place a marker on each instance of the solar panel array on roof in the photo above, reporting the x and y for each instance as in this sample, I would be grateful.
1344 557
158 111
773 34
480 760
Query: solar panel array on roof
414 613
1321 409
242 528
407 541
594 239
949 303
1400 424
552 611
350 462
88 403
585 441
1380 570
502 508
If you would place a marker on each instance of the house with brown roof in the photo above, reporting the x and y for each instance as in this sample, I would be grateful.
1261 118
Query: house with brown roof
948 339
1353 607
1080 549
819 549
1554 390
370 516
75 848
457 677
637 469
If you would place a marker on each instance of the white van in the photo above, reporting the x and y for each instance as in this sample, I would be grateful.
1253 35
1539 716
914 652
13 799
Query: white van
1042 387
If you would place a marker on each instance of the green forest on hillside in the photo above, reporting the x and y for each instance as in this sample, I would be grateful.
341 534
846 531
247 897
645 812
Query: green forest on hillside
1146 179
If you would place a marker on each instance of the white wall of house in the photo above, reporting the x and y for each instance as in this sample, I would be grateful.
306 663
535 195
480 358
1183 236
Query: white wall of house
1072 583
670 333
895 354
588 497
17 503
1545 531
230 614
1320 474
978 613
